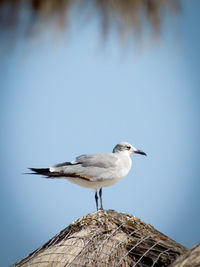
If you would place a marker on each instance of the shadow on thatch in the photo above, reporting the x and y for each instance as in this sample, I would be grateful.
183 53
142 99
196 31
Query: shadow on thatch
106 238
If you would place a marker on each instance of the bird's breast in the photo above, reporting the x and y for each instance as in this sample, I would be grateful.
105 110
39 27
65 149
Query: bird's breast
124 166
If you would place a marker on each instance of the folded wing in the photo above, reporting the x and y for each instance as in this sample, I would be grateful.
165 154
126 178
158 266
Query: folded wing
92 167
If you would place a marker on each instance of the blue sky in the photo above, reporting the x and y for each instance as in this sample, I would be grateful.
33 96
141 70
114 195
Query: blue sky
64 97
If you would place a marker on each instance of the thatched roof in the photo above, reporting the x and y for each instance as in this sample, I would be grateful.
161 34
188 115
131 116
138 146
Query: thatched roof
189 259
106 239
125 16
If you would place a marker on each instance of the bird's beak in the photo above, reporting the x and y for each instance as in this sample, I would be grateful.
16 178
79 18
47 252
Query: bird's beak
140 152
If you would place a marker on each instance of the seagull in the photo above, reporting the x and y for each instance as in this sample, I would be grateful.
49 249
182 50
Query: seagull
94 170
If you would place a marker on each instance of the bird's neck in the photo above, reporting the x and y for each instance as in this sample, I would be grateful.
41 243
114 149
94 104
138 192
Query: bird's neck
125 156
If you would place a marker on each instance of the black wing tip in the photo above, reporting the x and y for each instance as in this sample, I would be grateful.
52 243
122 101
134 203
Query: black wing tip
43 171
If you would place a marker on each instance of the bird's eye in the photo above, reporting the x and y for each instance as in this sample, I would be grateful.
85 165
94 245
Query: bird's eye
128 147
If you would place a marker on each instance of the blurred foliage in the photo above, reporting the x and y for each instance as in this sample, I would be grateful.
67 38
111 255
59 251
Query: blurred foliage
127 17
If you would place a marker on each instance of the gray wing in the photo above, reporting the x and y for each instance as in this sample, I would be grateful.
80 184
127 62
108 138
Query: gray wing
107 160
92 167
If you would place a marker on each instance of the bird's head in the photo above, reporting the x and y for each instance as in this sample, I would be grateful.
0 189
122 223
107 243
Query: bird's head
124 146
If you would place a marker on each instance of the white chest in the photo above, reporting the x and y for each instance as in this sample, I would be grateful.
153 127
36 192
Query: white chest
124 165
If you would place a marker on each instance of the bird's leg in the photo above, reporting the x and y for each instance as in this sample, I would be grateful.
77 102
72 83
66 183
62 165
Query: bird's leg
100 194
96 199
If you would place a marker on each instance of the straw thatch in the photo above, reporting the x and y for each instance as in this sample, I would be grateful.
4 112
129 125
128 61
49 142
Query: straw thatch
103 239
125 16
189 259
